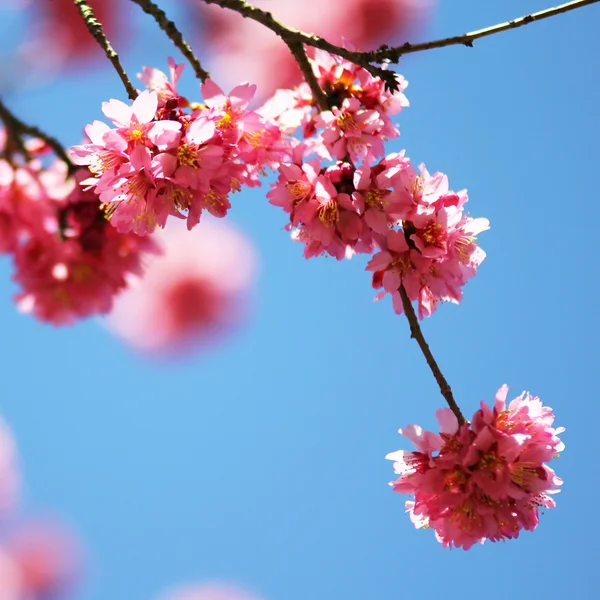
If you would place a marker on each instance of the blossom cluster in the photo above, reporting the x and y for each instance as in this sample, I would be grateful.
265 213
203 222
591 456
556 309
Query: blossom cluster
481 480
166 157
425 241
69 262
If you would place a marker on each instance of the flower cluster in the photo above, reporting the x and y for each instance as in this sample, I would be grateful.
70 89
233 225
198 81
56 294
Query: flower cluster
426 243
69 263
483 480
166 157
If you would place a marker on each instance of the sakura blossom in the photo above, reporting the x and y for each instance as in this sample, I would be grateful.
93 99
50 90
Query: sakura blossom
46 557
72 263
358 120
9 478
432 251
11 584
168 158
482 480
191 295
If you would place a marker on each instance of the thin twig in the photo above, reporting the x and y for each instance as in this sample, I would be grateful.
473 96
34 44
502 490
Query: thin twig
174 34
95 28
320 97
294 38
467 39
393 54
18 128
417 334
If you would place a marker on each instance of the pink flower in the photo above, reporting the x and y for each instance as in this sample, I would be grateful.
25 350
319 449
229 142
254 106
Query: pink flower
191 295
72 264
358 121
9 479
11 584
46 557
214 591
165 87
136 123
483 480
167 157
431 250
27 191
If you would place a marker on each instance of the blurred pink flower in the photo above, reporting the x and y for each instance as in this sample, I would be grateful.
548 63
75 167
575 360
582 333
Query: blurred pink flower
11 587
192 294
46 556
55 39
240 49
9 479
216 591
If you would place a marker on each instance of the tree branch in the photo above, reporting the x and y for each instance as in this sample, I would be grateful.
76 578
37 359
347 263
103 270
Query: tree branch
319 96
294 38
394 54
95 28
290 35
18 128
417 334
174 34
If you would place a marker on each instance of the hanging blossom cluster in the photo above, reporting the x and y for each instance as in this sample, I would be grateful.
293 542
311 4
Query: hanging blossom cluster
368 201
68 261
483 480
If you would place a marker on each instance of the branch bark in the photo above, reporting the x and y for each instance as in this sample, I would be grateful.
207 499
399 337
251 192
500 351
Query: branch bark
174 35
291 35
417 334
18 128
95 28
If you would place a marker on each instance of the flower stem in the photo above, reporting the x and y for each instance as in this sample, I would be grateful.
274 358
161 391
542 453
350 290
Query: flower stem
174 34
17 128
417 334
95 28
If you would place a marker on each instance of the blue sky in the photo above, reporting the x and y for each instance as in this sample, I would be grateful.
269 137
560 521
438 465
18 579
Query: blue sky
263 463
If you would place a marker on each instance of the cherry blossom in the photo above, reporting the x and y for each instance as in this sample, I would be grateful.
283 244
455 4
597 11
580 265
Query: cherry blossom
483 480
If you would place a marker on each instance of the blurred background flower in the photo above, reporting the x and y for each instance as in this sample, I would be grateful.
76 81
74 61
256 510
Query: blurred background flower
211 591
190 296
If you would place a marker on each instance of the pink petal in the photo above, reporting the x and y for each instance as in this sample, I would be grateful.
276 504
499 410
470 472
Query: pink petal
118 112
144 106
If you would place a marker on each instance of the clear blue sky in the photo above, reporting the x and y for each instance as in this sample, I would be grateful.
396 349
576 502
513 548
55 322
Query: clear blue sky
264 463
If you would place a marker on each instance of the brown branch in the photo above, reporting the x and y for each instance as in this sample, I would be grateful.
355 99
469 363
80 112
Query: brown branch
294 38
417 334
174 34
467 39
319 96
17 128
95 28
385 53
